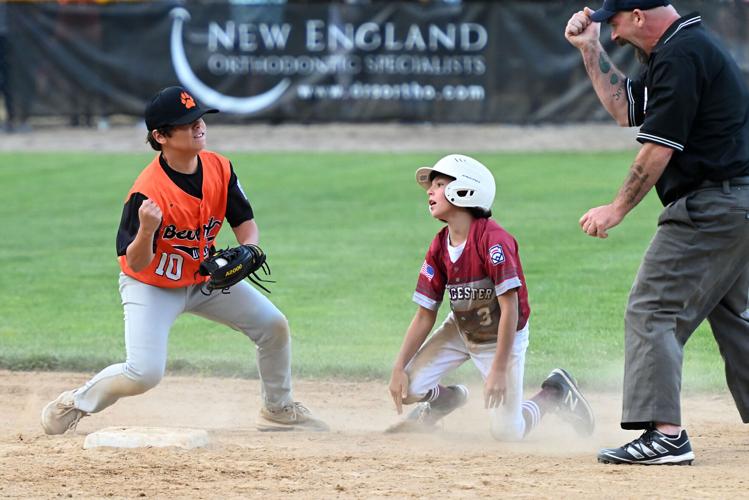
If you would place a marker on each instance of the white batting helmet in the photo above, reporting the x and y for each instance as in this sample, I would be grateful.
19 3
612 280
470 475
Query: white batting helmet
473 185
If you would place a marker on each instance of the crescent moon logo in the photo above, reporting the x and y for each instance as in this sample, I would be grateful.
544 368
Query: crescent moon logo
204 93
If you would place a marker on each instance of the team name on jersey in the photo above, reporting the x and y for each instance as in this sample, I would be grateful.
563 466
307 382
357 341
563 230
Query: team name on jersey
171 231
470 293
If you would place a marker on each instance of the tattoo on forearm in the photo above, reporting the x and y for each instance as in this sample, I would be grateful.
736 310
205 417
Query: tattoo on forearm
618 94
603 63
631 190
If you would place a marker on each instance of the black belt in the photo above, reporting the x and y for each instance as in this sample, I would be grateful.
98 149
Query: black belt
726 184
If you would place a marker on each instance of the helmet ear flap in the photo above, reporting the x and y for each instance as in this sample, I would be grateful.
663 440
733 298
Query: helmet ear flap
465 193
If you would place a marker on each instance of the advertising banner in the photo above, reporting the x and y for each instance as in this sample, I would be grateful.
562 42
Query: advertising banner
472 62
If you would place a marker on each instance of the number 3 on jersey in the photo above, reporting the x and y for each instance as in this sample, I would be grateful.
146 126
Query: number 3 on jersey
486 316
170 266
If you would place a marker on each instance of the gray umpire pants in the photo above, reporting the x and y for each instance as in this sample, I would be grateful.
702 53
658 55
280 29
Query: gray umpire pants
697 267
150 312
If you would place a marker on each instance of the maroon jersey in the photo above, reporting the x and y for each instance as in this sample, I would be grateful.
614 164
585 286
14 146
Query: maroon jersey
488 267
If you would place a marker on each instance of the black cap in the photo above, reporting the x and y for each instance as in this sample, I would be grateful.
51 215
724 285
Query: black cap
173 106
611 7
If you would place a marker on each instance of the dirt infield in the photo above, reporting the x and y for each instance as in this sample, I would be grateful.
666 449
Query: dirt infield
356 459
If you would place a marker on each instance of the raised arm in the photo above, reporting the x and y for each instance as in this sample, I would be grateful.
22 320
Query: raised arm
139 253
608 81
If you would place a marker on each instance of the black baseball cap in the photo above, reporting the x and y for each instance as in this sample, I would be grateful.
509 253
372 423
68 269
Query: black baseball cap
173 106
611 7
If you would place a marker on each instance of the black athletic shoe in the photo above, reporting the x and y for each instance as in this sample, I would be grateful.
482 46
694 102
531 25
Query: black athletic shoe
573 407
652 448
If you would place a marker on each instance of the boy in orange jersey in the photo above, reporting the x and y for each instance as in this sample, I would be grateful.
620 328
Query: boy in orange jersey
171 217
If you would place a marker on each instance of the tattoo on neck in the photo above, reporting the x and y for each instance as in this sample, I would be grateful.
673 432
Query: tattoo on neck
603 63
614 79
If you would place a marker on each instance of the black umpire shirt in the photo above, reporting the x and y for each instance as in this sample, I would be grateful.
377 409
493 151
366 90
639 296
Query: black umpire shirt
238 209
692 98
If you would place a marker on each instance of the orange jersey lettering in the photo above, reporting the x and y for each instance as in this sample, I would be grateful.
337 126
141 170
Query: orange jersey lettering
189 225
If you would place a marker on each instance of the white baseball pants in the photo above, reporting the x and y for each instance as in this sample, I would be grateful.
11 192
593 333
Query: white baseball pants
150 312
446 349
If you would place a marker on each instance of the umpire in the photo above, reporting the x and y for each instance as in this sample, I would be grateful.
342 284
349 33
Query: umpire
692 106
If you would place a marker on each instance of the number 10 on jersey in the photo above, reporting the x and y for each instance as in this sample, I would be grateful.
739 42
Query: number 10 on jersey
170 266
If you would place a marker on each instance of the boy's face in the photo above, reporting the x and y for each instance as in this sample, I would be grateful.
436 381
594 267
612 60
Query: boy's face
438 204
188 138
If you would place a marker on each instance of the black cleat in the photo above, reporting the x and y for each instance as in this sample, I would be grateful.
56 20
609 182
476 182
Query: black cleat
573 407
652 448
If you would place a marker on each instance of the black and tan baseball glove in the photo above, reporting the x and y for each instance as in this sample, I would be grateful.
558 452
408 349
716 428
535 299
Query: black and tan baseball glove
229 266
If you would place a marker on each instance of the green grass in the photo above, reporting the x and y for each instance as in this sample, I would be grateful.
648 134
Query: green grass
345 235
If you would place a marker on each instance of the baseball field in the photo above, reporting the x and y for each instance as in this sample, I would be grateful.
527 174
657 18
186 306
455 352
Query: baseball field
345 231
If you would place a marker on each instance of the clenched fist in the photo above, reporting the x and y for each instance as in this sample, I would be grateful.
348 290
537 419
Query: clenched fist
597 221
581 30
150 216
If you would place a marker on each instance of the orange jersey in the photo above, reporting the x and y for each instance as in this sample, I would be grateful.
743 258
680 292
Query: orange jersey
189 225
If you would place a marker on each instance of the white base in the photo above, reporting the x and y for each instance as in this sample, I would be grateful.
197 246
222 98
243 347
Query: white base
146 437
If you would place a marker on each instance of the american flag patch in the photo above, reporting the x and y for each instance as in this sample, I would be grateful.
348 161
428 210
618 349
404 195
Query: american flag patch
427 271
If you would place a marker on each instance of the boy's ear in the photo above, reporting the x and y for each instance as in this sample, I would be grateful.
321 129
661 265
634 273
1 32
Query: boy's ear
158 136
